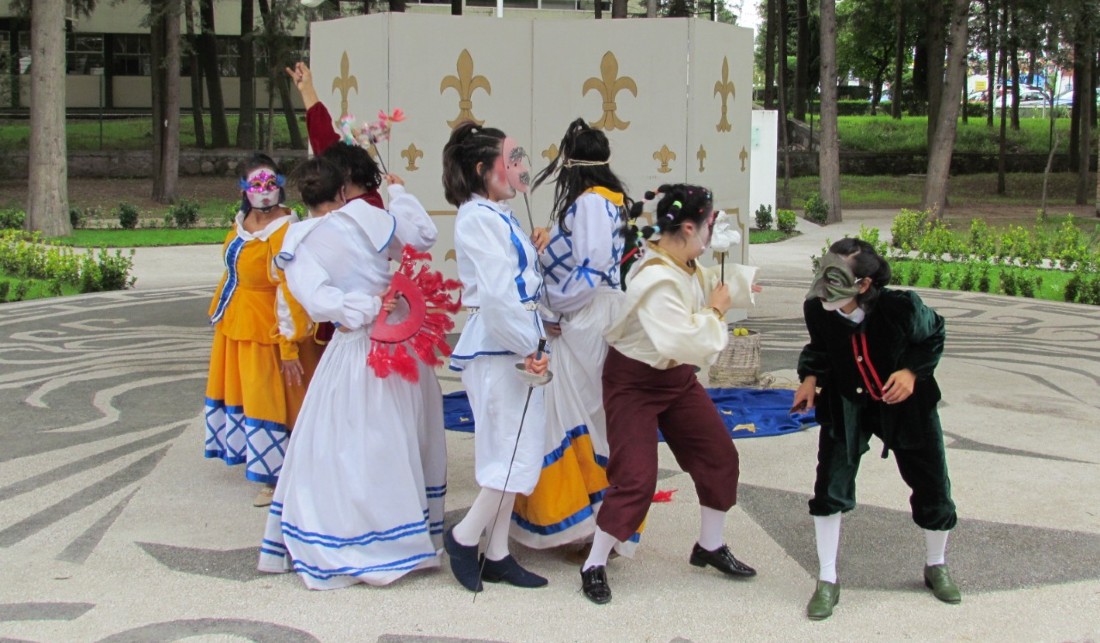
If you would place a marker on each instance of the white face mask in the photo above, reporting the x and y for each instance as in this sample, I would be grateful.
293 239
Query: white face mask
261 188
838 304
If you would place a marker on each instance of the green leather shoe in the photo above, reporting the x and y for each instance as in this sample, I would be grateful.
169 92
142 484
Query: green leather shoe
938 579
825 597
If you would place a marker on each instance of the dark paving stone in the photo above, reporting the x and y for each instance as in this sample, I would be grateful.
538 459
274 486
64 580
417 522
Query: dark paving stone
182 629
43 611
84 544
882 549
230 564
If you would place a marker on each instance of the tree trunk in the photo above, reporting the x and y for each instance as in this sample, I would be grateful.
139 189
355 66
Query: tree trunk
651 8
770 27
1013 44
397 6
802 64
781 82
1002 137
618 8
899 61
456 7
1087 105
829 150
990 58
208 52
291 116
274 29
935 64
1078 107
246 69
47 187
196 77
165 50
939 154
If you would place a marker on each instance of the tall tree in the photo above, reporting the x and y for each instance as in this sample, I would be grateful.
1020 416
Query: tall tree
943 145
900 53
47 188
246 71
770 29
208 54
279 18
829 150
1088 106
618 8
935 64
165 63
196 75
1003 62
991 58
866 42
802 61
781 82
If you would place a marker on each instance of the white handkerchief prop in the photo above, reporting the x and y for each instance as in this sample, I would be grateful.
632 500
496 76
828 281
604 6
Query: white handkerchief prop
725 233
312 4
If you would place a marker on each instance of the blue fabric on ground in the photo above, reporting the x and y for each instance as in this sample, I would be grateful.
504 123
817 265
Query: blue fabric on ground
747 412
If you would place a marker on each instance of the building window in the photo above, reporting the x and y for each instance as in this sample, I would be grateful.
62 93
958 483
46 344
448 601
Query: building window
131 55
83 54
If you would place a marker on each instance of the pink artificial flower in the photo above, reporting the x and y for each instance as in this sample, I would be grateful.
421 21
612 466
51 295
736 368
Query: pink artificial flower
397 116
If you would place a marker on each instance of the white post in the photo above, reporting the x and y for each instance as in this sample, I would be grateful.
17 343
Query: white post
500 8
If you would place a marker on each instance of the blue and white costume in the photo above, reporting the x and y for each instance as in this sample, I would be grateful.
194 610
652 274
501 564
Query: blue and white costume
501 288
360 498
582 292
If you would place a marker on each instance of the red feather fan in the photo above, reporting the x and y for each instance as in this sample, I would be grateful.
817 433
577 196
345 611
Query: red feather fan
431 300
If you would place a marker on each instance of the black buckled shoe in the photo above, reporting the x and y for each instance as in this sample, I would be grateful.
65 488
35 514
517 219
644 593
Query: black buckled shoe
464 562
721 559
594 584
509 571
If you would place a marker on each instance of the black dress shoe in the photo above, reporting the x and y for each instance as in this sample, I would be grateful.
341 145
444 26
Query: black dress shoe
464 562
509 571
721 559
594 584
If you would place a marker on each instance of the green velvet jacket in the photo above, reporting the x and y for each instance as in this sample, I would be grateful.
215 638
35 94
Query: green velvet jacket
853 361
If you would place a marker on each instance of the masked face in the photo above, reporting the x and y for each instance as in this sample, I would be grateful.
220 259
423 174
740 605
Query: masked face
261 188
496 183
515 166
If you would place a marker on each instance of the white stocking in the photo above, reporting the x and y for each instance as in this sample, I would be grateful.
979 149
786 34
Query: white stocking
827 531
468 531
602 544
935 543
712 524
496 548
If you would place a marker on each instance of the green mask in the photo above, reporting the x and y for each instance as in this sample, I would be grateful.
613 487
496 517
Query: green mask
834 280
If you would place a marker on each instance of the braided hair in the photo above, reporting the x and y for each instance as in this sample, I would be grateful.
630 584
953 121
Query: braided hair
585 144
865 262
469 145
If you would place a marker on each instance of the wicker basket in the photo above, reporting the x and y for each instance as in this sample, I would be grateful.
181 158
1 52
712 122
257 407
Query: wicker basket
739 362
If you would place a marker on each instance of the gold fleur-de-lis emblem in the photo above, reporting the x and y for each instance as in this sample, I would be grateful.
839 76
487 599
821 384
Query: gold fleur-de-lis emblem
664 155
609 84
410 154
744 156
725 89
344 83
550 153
465 83
702 156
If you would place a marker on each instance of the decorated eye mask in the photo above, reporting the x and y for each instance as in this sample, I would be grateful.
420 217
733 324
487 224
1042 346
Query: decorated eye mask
516 172
262 187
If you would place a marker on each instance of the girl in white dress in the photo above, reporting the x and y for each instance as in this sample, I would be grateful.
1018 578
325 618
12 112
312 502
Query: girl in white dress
360 493
501 289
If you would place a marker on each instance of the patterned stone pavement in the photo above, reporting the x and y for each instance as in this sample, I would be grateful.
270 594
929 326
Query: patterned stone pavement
114 528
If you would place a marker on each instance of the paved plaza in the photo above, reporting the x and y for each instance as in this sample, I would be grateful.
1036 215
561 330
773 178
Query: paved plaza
113 527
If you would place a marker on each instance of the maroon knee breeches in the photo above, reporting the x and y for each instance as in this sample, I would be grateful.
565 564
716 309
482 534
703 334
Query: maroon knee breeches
637 399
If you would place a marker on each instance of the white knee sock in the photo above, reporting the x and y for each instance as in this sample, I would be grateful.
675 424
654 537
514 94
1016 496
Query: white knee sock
935 543
712 525
827 532
468 531
496 548
602 544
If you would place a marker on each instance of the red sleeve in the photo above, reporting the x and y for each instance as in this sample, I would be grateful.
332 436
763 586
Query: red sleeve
372 197
319 127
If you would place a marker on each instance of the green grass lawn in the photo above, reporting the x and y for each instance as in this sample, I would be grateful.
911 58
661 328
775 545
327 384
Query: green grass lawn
965 190
132 134
769 236
1052 288
37 288
910 134
141 238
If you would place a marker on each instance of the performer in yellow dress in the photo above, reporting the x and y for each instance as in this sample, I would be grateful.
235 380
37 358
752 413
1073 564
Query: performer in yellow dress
263 352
